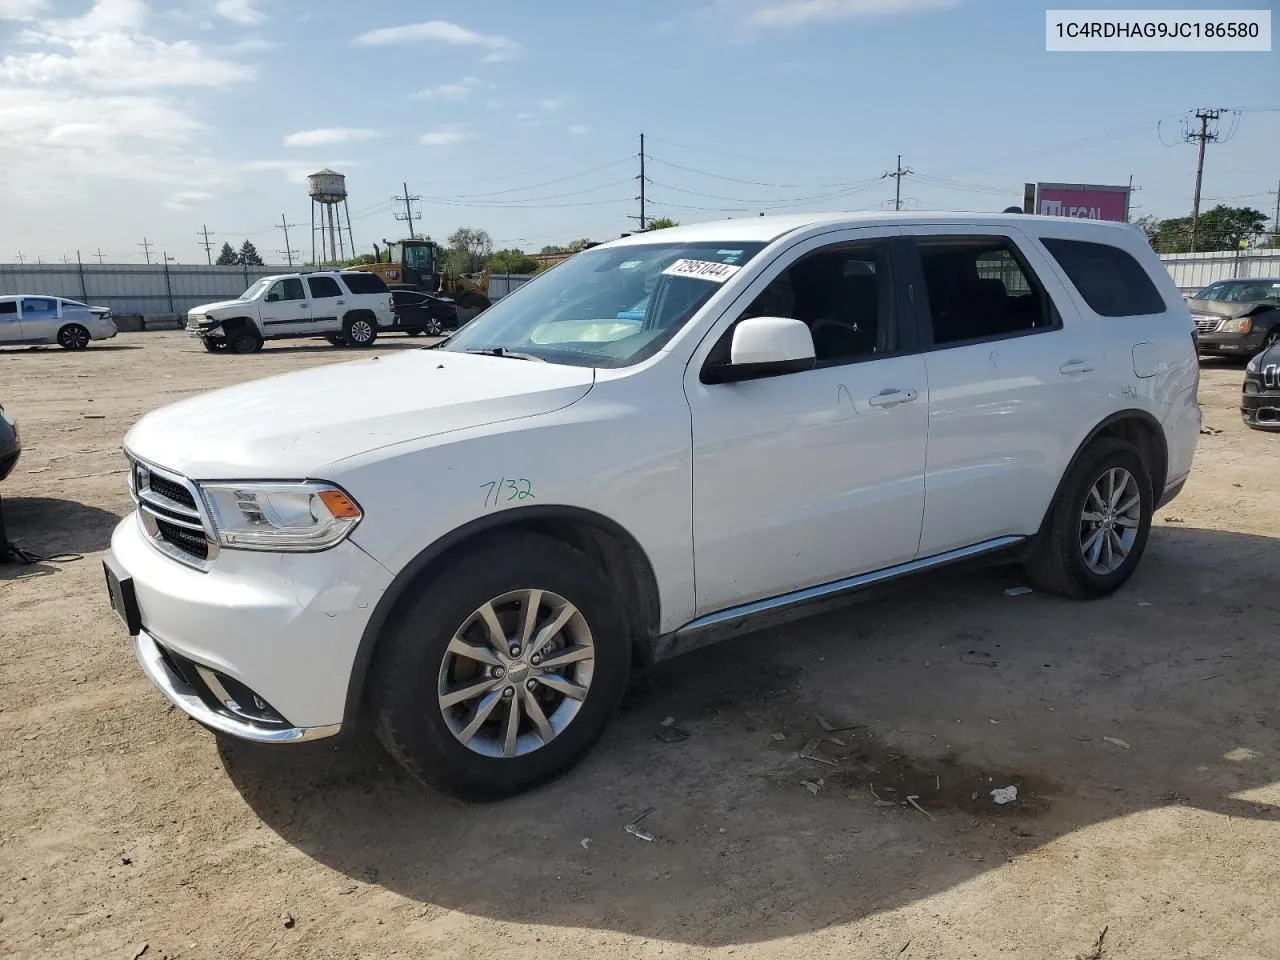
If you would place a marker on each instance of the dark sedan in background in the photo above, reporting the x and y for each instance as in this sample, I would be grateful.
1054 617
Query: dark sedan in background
1237 318
1260 399
10 444
418 313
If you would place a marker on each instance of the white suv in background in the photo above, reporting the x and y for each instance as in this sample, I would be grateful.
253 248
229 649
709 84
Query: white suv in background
665 441
346 307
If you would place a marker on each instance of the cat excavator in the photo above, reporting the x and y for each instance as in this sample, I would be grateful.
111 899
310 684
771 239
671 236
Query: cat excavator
422 266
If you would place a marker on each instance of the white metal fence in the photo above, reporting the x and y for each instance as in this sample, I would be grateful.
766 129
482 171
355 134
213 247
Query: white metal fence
148 289
501 284
1194 271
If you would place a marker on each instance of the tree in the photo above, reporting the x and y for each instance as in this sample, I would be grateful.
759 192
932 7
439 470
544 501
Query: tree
248 255
511 261
469 248
661 223
227 256
579 245
1150 225
1222 228
554 248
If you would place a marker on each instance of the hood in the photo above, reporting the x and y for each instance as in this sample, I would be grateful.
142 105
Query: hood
221 304
293 426
1219 308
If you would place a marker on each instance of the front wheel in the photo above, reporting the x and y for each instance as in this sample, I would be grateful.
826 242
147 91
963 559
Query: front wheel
359 330
505 673
1098 524
1273 337
214 344
73 337
244 340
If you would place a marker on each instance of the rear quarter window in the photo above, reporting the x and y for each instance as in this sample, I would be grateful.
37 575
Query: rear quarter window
1107 278
364 283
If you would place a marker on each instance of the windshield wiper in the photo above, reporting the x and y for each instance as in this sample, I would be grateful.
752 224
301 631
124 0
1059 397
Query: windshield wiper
504 352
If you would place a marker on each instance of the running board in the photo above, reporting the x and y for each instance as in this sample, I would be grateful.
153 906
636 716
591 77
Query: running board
760 614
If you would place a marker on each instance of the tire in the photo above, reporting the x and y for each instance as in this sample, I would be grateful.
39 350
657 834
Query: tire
336 339
1272 338
359 330
73 337
1059 562
433 327
214 344
414 663
244 340
414 331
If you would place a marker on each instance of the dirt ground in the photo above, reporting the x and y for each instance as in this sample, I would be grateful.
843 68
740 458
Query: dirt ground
1140 731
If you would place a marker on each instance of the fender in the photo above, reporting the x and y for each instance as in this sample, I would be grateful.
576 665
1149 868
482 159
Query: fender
513 517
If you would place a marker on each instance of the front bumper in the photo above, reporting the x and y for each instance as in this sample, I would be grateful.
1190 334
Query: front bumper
1259 406
283 629
1229 344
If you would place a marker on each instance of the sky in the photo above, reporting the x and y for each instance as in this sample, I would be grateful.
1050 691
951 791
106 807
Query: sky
130 120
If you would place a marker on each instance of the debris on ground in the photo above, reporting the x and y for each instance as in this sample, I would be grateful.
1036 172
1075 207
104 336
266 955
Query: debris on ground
1144 603
668 732
876 799
809 753
287 920
585 842
912 800
139 950
838 726
1003 795
1017 591
813 786
1210 431
1174 520
639 832
1096 952
779 737
1116 741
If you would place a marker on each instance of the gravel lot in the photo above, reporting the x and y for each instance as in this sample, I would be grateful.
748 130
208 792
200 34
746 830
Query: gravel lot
1140 732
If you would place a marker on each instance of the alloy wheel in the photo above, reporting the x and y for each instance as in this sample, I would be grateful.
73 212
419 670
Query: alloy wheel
1110 520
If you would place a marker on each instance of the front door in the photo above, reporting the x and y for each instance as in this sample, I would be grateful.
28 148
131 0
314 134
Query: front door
807 478
285 309
1013 382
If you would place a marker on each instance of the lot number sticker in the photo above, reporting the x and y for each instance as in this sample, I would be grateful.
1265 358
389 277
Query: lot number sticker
702 270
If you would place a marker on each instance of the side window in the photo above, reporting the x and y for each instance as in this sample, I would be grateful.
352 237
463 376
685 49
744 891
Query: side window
32 307
293 289
276 292
364 283
1110 281
980 288
322 287
843 293
9 307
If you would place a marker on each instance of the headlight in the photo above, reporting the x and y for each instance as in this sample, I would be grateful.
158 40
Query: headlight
287 517
1254 365
1239 325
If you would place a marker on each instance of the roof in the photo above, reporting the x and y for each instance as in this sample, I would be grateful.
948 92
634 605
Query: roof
768 229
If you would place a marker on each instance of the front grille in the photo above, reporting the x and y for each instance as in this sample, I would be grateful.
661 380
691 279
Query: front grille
1207 324
172 515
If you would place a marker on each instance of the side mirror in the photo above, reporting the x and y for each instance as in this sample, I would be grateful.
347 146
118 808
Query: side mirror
764 347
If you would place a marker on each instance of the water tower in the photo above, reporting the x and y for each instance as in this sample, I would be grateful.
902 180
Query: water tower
329 191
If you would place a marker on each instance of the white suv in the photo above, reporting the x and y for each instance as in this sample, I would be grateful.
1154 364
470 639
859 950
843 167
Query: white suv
665 441
344 307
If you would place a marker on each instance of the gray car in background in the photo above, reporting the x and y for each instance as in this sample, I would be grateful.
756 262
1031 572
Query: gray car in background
29 319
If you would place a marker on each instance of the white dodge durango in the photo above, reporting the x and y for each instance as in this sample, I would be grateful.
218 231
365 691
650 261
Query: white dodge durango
663 442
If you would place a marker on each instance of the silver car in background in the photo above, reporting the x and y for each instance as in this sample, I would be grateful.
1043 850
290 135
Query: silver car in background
29 319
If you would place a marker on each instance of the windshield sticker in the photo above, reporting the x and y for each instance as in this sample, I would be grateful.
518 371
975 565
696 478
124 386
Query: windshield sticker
629 264
702 270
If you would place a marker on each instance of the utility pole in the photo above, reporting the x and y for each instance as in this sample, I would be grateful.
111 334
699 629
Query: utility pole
66 259
100 256
643 219
21 258
1205 136
146 249
207 244
1275 221
897 173
408 208
285 225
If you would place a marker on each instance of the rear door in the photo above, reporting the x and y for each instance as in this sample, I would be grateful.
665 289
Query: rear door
10 322
285 309
1014 381
328 304
39 316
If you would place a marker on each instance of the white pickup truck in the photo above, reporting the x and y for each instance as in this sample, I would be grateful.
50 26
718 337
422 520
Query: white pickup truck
344 307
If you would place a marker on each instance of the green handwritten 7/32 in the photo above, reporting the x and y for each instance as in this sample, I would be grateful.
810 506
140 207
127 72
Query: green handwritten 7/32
506 490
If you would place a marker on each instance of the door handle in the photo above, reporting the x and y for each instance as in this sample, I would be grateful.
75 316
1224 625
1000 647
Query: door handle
302 305
1076 366
892 398
342 303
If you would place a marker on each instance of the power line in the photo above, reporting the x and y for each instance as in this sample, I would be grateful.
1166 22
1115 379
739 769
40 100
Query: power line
734 156
408 209
207 244
898 173
544 183
750 183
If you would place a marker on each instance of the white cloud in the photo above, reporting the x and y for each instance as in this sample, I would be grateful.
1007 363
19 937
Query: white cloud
296 171
552 104
326 136
790 13
450 92
186 199
242 12
447 136
22 9
443 31
537 116
579 129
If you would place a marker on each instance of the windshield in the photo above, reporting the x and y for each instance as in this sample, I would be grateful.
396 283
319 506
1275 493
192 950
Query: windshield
256 290
1264 291
609 307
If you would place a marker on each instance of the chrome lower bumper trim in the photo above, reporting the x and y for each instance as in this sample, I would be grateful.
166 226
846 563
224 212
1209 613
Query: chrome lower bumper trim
188 701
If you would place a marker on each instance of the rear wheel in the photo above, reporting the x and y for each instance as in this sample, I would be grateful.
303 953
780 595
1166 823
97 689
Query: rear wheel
432 327
73 337
359 330
506 672
1098 524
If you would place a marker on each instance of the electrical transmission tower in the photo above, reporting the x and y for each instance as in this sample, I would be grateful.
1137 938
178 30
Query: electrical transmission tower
207 244
288 250
898 173
407 217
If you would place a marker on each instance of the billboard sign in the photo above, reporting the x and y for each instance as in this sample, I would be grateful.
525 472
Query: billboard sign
1081 200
